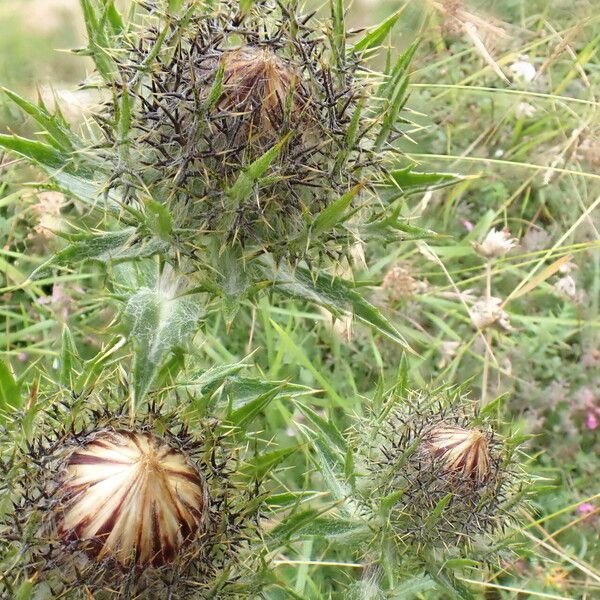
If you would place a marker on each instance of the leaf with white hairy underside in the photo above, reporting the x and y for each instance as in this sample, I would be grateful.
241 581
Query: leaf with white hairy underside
157 323
98 247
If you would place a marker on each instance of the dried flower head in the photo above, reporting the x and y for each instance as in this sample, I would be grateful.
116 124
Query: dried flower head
145 510
495 244
447 350
566 287
450 478
524 110
261 94
400 284
488 312
463 453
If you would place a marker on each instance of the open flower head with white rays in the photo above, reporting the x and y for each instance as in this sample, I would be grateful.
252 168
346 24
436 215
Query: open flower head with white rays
496 243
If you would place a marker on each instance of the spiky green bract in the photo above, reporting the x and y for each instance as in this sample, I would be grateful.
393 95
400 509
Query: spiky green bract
246 124
440 479
213 563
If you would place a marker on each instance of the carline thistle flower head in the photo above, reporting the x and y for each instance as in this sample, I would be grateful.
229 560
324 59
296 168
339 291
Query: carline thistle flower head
144 509
133 496
449 478
231 89
463 453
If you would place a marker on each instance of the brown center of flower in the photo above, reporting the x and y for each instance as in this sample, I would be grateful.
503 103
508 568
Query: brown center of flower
135 498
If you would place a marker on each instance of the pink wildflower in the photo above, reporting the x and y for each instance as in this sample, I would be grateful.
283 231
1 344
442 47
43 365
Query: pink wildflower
591 421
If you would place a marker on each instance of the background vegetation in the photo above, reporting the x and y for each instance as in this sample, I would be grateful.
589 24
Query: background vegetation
504 92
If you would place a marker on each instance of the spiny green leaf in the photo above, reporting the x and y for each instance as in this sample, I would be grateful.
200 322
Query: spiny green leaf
338 529
75 182
377 35
68 353
332 213
209 378
95 247
157 322
409 181
259 466
436 513
159 219
113 17
59 135
337 296
243 415
39 152
244 184
449 583
98 41
238 392
279 502
327 429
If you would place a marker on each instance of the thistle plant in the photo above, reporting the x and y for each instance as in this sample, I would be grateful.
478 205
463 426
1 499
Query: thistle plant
240 151
250 146
446 477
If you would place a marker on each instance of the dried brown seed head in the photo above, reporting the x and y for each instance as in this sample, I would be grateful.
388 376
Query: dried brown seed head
263 90
461 452
135 498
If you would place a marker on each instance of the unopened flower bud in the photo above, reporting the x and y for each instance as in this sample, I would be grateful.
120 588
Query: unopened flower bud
133 497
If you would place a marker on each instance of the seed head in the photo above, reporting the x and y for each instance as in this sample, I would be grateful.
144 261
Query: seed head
133 496
260 94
